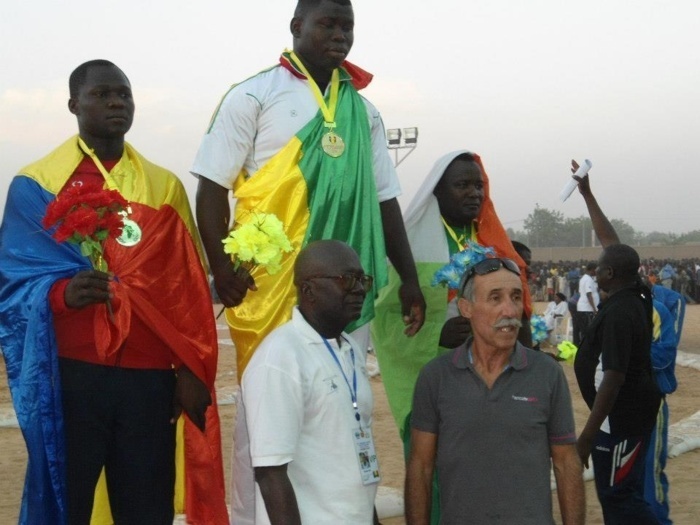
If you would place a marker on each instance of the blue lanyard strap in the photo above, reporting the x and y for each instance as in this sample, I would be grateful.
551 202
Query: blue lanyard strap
353 388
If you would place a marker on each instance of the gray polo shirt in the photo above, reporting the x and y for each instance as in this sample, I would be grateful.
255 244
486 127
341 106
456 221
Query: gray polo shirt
493 456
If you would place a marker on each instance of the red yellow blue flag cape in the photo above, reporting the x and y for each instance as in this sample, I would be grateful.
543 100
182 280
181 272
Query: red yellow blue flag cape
401 358
316 197
173 296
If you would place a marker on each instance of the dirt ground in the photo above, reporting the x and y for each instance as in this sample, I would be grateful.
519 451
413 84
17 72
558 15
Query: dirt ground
683 471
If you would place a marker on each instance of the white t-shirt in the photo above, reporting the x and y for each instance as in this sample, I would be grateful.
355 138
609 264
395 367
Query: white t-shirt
585 285
299 412
259 116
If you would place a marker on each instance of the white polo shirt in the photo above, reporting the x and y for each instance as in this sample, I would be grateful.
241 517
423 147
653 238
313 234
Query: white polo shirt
585 285
259 116
299 412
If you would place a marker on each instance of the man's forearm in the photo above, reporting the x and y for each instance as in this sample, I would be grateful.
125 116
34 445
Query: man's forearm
278 495
399 252
418 494
604 230
604 401
213 220
568 474
589 296
396 241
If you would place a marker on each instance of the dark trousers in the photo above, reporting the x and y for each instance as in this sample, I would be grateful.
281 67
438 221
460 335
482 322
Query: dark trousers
119 419
618 465
581 322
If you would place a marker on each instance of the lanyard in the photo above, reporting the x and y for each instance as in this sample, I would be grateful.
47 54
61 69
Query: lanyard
459 240
328 110
111 183
353 388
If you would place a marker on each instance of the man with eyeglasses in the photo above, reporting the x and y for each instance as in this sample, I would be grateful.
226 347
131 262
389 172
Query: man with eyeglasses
309 402
491 415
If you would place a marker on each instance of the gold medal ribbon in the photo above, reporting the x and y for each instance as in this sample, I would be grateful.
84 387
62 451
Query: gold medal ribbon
461 239
111 183
328 110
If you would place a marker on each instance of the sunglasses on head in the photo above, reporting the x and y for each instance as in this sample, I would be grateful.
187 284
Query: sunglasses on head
487 266
348 280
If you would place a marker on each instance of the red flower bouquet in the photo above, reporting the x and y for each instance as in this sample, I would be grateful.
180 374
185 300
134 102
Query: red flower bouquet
87 214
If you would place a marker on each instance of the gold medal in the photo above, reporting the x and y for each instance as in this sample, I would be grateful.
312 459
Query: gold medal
333 144
131 233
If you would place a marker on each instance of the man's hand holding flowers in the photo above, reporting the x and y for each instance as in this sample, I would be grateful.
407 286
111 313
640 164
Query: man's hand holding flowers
88 287
259 242
87 215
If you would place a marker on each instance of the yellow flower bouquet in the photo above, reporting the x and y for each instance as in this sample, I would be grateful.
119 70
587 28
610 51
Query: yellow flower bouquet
261 241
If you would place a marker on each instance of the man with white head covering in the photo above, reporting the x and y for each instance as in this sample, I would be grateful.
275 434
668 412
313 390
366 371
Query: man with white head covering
452 206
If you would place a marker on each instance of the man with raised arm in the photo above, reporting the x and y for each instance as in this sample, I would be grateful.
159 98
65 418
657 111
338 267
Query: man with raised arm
614 373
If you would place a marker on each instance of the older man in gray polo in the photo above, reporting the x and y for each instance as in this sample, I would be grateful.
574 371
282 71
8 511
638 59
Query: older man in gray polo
490 415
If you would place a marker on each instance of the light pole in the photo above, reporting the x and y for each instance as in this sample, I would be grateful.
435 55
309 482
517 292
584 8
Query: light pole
397 140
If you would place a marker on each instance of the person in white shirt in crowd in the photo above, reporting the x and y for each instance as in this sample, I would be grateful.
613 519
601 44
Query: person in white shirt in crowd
588 301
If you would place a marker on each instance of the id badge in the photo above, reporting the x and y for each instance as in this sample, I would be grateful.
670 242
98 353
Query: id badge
366 455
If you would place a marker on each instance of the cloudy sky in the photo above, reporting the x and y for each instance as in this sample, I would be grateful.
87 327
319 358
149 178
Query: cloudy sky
527 84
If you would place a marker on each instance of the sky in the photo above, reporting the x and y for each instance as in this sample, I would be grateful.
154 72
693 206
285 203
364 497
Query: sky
526 84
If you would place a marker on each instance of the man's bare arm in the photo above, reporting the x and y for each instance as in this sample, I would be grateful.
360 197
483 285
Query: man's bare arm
213 220
604 401
419 477
568 474
399 253
278 495
589 296
601 225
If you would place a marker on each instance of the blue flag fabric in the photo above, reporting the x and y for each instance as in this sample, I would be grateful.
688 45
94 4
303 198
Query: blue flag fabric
670 306
31 261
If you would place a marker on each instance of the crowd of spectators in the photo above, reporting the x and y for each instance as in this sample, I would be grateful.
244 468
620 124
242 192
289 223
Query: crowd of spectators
549 278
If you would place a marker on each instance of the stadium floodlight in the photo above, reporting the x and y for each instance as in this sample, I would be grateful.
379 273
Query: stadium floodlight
405 140
393 137
410 135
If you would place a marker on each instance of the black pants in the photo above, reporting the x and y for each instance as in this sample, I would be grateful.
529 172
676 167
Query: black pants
119 419
618 465
581 322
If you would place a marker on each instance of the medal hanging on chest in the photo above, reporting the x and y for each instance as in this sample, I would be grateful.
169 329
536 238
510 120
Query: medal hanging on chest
131 231
332 144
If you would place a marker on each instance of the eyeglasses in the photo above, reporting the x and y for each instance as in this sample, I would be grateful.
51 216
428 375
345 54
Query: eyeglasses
348 280
487 266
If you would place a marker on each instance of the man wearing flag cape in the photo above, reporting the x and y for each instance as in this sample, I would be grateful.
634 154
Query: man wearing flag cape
100 365
452 207
298 140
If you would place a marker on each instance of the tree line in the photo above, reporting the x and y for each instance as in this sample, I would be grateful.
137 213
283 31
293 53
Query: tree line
549 228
